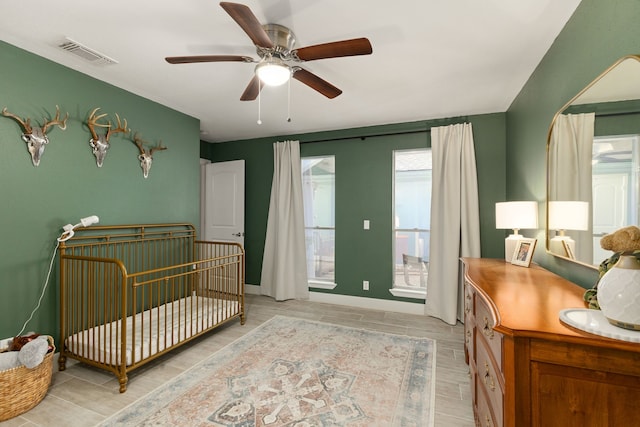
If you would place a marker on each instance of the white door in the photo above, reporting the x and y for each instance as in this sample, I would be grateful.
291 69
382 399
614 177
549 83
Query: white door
610 207
224 201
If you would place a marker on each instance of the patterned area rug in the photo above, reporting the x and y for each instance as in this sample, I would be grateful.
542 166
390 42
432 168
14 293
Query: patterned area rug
298 373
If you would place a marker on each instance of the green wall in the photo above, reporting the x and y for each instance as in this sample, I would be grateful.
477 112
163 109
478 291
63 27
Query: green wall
364 191
598 34
67 185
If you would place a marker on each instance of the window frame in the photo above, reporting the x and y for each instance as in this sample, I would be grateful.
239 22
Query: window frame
398 290
312 281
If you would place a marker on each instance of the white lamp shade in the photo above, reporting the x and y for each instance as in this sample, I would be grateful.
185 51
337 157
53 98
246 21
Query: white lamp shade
568 215
517 215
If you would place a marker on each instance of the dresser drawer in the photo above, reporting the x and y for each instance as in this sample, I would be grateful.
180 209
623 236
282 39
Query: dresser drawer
473 386
484 325
469 323
489 382
469 340
468 299
484 417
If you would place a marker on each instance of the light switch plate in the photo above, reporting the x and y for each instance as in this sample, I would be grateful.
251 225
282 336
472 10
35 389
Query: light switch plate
366 224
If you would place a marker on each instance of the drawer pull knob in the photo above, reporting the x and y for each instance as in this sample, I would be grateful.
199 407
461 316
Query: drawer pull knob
488 422
487 330
488 379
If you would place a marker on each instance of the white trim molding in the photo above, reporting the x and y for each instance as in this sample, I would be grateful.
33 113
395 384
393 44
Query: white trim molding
252 289
321 285
409 293
352 301
372 303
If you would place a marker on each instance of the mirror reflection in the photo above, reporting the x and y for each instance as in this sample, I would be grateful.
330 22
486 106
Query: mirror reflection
593 164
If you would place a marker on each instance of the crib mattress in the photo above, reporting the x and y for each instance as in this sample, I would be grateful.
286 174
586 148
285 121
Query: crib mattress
151 331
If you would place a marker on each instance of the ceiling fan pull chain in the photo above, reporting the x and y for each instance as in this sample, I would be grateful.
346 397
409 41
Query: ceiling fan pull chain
289 101
259 97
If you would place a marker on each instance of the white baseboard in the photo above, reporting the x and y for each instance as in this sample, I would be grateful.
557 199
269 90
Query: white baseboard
372 303
252 289
352 301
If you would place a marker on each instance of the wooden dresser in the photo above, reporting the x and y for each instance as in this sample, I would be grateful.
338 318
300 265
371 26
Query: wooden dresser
527 367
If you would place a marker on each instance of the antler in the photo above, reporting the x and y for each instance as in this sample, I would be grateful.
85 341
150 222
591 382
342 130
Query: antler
146 157
62 124
157 148
92 121
26 124
140 143
120 128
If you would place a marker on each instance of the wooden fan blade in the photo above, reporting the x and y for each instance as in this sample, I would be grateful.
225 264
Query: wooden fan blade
316 83
248 22
252 90
352 47
207 58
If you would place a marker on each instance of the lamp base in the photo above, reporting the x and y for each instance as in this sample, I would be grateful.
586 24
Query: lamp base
564 246
510 246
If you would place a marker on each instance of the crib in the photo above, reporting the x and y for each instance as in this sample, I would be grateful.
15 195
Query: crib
131 293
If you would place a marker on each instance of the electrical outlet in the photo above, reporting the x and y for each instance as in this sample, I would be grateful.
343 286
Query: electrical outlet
365 285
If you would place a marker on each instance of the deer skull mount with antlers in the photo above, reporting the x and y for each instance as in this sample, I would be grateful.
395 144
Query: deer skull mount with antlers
100 143
146 156
36 137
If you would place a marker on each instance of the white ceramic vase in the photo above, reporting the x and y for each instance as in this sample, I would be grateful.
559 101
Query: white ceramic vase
619 293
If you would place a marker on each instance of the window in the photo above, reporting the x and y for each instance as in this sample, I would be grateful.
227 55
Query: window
615 187
412 218
318 191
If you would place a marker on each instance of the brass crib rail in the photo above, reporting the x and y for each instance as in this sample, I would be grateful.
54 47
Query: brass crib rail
129 294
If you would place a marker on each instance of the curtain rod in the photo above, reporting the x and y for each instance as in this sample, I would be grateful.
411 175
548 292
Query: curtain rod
616 113
363 137
426 128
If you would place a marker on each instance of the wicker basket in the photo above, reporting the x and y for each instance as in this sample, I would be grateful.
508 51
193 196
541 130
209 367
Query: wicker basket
21 388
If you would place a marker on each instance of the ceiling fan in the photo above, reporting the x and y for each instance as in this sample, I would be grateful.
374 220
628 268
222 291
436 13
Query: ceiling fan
278 58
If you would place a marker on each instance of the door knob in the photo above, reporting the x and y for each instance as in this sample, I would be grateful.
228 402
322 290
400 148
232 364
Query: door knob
238 234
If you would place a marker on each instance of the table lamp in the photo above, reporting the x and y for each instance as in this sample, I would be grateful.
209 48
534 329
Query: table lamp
567 215
516 216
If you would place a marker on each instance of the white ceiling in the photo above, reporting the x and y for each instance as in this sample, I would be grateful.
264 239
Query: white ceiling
431 58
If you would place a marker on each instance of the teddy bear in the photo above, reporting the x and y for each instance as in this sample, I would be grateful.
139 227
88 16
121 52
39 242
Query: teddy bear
625 240
28 350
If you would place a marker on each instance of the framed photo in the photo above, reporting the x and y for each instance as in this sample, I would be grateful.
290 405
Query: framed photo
524 252
567 250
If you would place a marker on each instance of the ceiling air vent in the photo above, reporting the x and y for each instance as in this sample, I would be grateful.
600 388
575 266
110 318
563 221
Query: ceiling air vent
86 53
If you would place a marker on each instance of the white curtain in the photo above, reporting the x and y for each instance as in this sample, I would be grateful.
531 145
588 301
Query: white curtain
284 269
570 155
455 219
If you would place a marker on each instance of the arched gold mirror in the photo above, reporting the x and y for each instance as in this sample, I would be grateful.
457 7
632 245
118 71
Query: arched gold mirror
593 164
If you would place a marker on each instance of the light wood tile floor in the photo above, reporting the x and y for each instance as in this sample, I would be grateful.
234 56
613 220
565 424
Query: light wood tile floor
82 396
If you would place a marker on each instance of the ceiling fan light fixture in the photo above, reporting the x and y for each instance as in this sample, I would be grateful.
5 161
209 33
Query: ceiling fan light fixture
273 72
